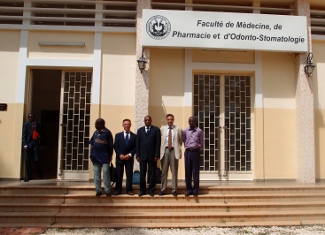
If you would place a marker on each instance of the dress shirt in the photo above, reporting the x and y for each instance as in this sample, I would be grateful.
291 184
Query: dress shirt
193 138
167 131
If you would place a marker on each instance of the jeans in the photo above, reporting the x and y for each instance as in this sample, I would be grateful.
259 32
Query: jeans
106 176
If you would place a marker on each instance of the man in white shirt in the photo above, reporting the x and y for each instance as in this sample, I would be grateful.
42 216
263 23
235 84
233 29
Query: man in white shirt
170 153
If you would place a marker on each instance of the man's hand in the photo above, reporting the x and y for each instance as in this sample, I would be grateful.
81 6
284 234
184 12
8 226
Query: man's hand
127 157
122 157
138 159
156 159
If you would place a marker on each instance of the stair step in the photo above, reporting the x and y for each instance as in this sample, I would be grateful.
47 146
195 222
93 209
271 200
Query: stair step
26 190
188 225
32 198
28 217
72 205
171 217
164 206
31 207
82 198
266 189
186 207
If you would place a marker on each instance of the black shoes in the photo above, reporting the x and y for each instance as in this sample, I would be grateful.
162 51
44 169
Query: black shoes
141 194
99 194
188 194
117 193
162 193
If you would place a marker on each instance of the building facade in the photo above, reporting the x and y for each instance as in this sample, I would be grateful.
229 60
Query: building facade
70 62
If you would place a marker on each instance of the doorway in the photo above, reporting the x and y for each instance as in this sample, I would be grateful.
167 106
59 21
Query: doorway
61 102
223 105
45 88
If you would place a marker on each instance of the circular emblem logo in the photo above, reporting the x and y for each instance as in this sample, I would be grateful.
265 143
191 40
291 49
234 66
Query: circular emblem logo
158 27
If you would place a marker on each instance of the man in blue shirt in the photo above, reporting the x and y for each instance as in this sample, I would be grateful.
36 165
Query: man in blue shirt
101 150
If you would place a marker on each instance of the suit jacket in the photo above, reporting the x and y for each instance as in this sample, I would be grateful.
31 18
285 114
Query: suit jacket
27 136
121 148
177 140
148 146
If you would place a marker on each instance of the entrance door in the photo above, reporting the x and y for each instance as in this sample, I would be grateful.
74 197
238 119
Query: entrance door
75 125
43 99
222 104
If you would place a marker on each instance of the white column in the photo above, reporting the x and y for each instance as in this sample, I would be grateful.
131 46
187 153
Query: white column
304 109
142 79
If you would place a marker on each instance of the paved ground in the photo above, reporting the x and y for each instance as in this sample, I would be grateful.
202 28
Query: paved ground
23 230
296 230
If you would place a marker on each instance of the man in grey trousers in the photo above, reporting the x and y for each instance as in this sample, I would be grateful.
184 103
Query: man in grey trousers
170 153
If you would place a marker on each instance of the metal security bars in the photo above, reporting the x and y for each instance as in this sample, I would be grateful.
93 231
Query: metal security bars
11 12
238 120
120 15
206 105
90 15
244 6
223 107
75 121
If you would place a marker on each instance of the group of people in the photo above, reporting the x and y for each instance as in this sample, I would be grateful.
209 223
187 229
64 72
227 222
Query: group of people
149 144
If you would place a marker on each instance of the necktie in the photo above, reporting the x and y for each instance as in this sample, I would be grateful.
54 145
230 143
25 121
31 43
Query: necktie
148 130
127 138
170 143
33 125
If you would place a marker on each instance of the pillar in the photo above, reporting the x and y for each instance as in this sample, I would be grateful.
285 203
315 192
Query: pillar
304 108
142 79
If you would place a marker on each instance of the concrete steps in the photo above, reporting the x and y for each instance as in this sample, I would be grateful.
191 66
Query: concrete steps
77 206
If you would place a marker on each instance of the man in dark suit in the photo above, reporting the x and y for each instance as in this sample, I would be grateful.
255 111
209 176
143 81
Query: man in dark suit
148 152
125 149
31 138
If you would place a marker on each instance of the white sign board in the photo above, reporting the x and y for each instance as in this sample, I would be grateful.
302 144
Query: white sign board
231 31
